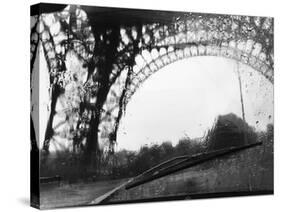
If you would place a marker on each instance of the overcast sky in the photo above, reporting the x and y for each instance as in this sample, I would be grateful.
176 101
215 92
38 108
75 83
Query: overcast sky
185 97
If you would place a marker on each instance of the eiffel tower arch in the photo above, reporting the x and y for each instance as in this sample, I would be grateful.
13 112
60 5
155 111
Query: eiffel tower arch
172 36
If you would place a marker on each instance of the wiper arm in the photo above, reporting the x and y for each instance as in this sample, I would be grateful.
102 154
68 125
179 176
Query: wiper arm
162 170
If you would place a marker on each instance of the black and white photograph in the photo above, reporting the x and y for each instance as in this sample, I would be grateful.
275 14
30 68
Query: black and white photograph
138 105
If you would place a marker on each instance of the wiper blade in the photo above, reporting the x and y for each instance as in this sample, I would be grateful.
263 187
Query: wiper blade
183 162
162 165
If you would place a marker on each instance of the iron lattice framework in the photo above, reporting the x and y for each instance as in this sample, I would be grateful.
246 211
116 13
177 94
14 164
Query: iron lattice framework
123 49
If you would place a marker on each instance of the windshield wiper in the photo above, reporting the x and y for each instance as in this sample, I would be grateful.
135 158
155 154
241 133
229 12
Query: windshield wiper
183 162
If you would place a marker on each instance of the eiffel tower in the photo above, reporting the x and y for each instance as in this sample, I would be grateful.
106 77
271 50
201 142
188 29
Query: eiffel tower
121 48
